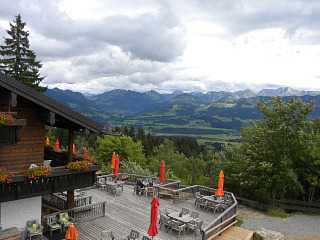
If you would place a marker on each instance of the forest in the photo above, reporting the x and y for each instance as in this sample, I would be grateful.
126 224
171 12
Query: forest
277 157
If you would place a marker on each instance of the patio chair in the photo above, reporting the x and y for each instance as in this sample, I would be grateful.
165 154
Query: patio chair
195 225
185 211
194 215
53 224
174 225
115 190
65 220
107 235
146 238
201 203
134 235
149 190
214 206
137 190
34 229
102 183
164 220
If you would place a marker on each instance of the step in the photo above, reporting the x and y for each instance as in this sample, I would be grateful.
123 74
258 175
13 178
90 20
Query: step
236 233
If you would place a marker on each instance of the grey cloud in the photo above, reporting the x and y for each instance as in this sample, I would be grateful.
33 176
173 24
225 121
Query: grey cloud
153 37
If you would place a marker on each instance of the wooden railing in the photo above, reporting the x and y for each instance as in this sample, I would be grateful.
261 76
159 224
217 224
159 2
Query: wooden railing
295 205
61 179
84 213
224 221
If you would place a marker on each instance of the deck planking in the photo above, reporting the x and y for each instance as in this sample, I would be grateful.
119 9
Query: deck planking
126 212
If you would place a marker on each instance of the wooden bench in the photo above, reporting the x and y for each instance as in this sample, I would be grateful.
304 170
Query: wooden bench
10 234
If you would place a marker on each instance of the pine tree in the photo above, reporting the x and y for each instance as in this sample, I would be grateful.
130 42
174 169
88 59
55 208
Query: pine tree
18 61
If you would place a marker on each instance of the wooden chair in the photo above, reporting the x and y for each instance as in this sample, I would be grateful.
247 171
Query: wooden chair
65 220
53 224
134 235
149 190
115 190
146 238
201 203
107 235
213 206
174 225
195 225
185 211
194 215
164 220
102 183
137 190
34 229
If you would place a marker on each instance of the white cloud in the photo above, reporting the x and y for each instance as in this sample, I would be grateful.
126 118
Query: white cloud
206 45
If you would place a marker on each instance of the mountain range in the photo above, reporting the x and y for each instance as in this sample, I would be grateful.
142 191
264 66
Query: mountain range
211 116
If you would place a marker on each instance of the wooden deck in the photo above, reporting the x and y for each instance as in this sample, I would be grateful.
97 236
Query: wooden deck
236 233
126 212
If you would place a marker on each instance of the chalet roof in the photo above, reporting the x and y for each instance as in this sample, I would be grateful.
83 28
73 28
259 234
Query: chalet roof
65 117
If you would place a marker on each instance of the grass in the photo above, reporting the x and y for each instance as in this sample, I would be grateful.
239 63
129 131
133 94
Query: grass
239 222
278 212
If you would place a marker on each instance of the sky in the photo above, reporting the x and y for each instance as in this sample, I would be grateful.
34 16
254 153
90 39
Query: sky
193 46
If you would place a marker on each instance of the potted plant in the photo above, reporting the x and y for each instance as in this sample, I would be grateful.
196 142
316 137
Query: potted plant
37 172
5 119
79 165
5 176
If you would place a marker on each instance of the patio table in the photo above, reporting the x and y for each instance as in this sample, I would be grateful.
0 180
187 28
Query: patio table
184 218
115 184
212 199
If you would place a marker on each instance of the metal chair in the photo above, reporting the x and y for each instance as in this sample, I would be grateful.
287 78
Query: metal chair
134 234
34 229
53 224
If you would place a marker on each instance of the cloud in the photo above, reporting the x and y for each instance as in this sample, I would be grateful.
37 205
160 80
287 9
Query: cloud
194 45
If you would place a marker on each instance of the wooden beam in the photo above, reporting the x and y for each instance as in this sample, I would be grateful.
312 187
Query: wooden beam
70 199
70 146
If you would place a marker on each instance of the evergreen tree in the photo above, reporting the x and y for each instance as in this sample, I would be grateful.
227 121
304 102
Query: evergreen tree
18 61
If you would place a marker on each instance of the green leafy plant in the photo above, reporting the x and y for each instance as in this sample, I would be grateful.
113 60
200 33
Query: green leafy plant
5 175
5 119
79 165
37 172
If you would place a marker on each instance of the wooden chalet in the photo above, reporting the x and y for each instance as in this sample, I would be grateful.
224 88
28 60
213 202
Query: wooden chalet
22 144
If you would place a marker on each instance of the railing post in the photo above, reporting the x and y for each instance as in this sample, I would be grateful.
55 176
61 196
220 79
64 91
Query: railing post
104 209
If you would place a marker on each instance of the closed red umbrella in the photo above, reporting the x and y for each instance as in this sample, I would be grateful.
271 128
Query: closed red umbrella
162 172
85 152
153 229
219 191
113 160
72 233
116 167
57 146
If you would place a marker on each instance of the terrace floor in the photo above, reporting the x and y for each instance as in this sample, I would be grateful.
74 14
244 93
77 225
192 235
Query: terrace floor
126 212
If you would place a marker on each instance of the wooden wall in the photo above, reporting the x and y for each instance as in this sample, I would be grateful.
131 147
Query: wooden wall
30 149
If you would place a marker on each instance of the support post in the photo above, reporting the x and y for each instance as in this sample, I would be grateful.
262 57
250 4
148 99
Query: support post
70 193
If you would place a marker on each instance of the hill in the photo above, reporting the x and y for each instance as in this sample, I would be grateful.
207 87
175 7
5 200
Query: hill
210 117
